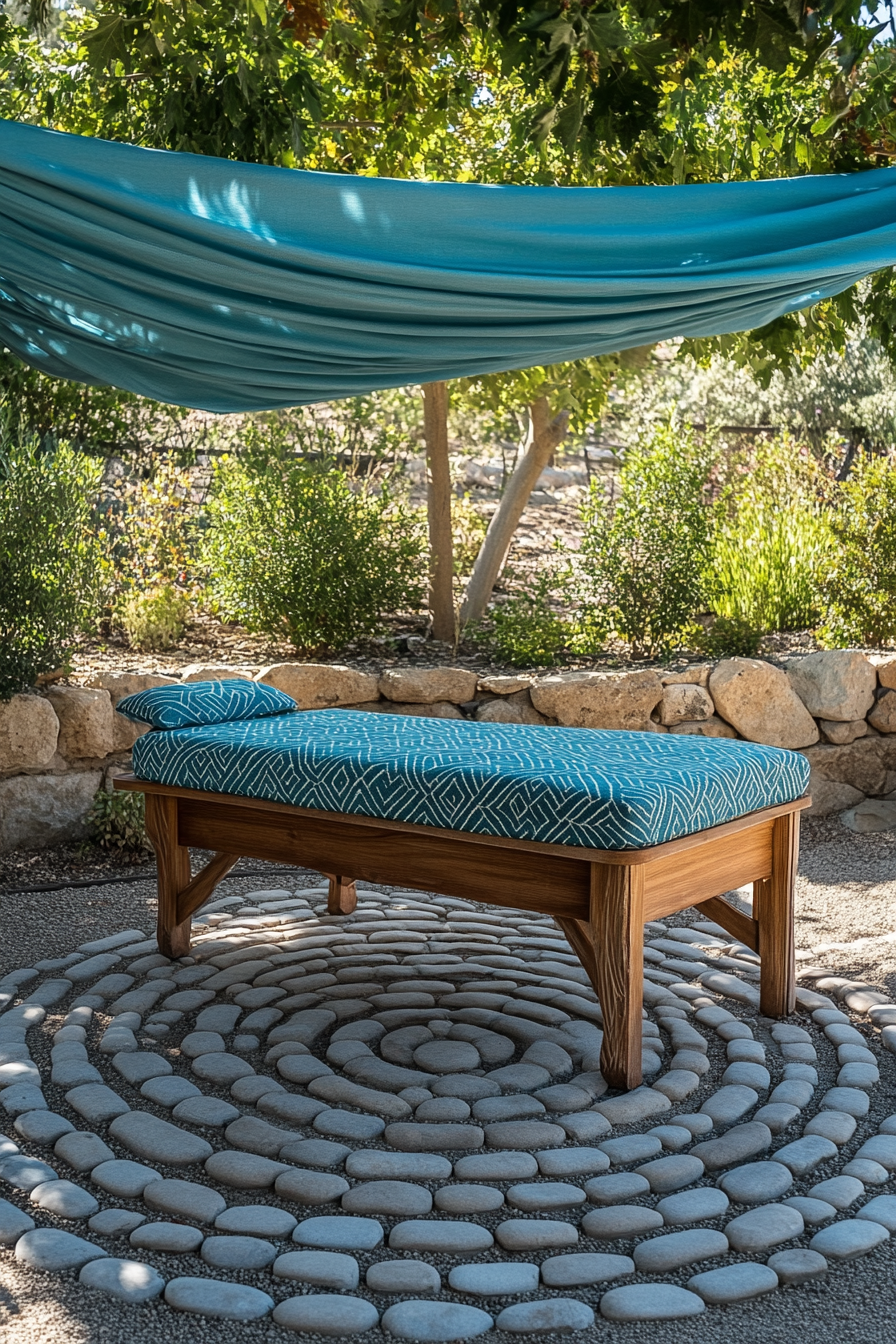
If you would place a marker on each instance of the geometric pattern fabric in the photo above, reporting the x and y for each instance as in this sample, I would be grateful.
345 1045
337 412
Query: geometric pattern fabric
204 702
594 789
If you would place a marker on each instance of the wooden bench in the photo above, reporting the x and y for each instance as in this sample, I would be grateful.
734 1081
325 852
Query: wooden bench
599 898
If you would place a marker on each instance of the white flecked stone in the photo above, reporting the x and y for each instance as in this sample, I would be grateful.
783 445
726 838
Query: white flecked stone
127 1280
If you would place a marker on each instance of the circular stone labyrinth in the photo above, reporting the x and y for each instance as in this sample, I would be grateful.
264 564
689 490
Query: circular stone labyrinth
398 1118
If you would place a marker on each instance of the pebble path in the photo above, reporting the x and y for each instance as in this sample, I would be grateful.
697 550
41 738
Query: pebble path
398 1119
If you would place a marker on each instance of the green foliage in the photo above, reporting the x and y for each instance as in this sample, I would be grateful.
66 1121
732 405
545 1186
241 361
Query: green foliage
644 555
858 576
155 619
525 629
765 561
727 637
304 554
152 528
116 822
49 561
469 528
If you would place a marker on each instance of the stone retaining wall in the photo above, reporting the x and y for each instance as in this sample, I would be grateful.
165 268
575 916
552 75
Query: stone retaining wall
838 708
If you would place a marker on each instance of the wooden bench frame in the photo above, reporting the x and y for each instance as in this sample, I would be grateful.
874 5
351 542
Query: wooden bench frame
599 898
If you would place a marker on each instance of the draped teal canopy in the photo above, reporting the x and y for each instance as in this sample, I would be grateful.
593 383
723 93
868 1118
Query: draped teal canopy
231 286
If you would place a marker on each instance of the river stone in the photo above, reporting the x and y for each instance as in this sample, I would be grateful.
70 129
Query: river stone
756 1183
631 1148
841 1191
414 1138
115 1222
327 1269
210 1111
582 1269
543 1196
556 1314
764 1227
25 1173
445 1238
650 1302
54 1251
169 1091
349 1125
13 1223
218 1299
494 1280
342 1233
222 1018
395 1199
805 1154
169 1238
606 1190
879 1148
741 1142
43 1127
310 1187
244 1253
65 1199
729 1104
506 1166
447 1056
692 1206
198 1043
243 1171
734 1283
798 1265
881 1209
185 1199
435 1322
96 1103
316 1152
671 1173
403 1276
849 1239
525 1135
869 1173
128 1280
221 1069
633 1106
137 1067
123 1178
572 1161
812 1211
294 1110
256 1220
849 1099
663 1254
326 1314
468 1199
157 1140
373 1164
21 1098
342 1091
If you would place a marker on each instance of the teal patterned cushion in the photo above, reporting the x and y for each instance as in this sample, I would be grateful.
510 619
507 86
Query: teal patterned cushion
205 702
563 786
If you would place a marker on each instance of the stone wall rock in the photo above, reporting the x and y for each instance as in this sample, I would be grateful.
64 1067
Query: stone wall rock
517 708
883 715
426 685
842 733
438 709
37 810
830 796
320 685
684 701
711 727
504 685
885 665
120 684
865 764
690 676
86 721
758 700
29 731
599 699
836 684
216 672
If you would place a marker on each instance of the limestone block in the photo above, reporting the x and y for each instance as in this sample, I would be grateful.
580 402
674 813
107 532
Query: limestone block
320 685
120 684
599 699
841 734
885 665
711 727
758 700
439 709
835 684
684 702
86 721
126 732
29 730
863 764
505 685
216 672
883 715
698 675
875 814
38 810
830 796
426 685
517 708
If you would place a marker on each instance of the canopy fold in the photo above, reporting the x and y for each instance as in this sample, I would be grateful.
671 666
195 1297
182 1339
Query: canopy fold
234 287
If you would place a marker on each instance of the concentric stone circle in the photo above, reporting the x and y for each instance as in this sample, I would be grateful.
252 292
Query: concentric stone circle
398 1118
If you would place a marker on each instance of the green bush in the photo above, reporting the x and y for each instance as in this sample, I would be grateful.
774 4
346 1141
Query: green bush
858 577
645 554
525 630
116 822
304 554
728 637
49 558
155 619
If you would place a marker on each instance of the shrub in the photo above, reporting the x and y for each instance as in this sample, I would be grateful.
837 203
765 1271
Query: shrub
116 822
303 554
468 528
645 555
49 559
155 619
525 630
858 577
728 637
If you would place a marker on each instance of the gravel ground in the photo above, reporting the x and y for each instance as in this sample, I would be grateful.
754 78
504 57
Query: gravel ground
846 920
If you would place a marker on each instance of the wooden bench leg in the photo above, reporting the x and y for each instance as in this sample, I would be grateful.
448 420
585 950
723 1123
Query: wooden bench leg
342 897
617 924
173 867
774 898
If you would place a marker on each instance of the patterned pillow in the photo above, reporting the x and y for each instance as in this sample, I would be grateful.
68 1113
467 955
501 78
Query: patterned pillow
201 702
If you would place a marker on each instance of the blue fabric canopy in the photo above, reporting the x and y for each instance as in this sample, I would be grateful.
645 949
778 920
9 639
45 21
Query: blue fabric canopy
231 287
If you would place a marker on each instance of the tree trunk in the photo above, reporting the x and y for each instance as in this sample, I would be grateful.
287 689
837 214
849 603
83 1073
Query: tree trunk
543 438
438 506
